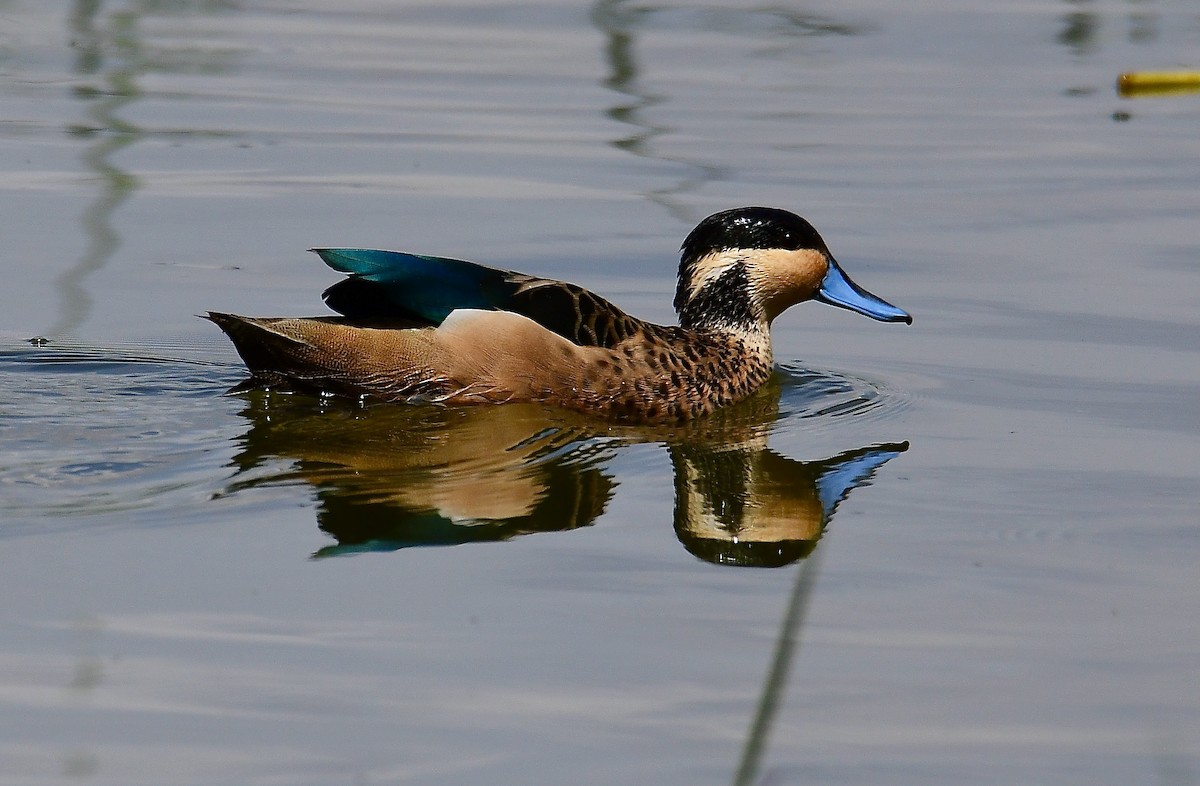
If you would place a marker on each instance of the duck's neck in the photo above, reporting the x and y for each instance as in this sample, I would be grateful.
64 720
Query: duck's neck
722 301
731 324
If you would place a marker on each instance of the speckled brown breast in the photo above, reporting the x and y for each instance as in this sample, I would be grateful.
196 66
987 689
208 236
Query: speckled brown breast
668 374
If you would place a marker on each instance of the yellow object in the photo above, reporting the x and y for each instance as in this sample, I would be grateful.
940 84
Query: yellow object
1158 83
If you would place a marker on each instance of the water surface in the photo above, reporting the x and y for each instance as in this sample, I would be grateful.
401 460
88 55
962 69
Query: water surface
982 526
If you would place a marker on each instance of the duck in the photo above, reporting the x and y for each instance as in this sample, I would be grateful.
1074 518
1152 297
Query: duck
425 329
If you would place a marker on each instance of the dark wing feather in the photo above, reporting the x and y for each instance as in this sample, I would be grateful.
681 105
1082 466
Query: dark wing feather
390 286
384 283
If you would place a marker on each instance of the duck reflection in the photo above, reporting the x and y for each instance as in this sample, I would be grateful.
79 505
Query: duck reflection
748 505
390 477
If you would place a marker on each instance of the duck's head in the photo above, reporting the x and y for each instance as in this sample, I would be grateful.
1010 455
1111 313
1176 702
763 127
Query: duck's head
743 267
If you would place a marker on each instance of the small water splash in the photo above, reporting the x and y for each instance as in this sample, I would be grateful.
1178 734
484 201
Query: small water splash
835 398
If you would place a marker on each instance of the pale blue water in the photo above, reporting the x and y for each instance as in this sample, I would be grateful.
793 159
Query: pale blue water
200 588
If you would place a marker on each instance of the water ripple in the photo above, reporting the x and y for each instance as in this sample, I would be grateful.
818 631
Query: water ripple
76 443
833 399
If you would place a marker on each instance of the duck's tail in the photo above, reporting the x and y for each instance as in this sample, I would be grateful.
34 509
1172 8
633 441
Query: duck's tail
329 355
267 352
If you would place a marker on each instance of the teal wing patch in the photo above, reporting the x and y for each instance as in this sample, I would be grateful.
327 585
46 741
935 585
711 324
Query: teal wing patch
387 286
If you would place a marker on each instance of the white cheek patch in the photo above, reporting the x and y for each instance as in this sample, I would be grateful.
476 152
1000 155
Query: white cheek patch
710 268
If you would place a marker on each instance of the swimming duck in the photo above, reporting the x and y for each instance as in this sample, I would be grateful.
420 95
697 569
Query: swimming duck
429 329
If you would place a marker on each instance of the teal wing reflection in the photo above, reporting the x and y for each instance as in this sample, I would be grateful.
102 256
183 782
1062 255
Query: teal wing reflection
574 498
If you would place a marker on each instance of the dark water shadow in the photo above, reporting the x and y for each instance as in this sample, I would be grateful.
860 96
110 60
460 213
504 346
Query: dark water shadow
111 57
621 22
1084 25
774 690
109 51
391 477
